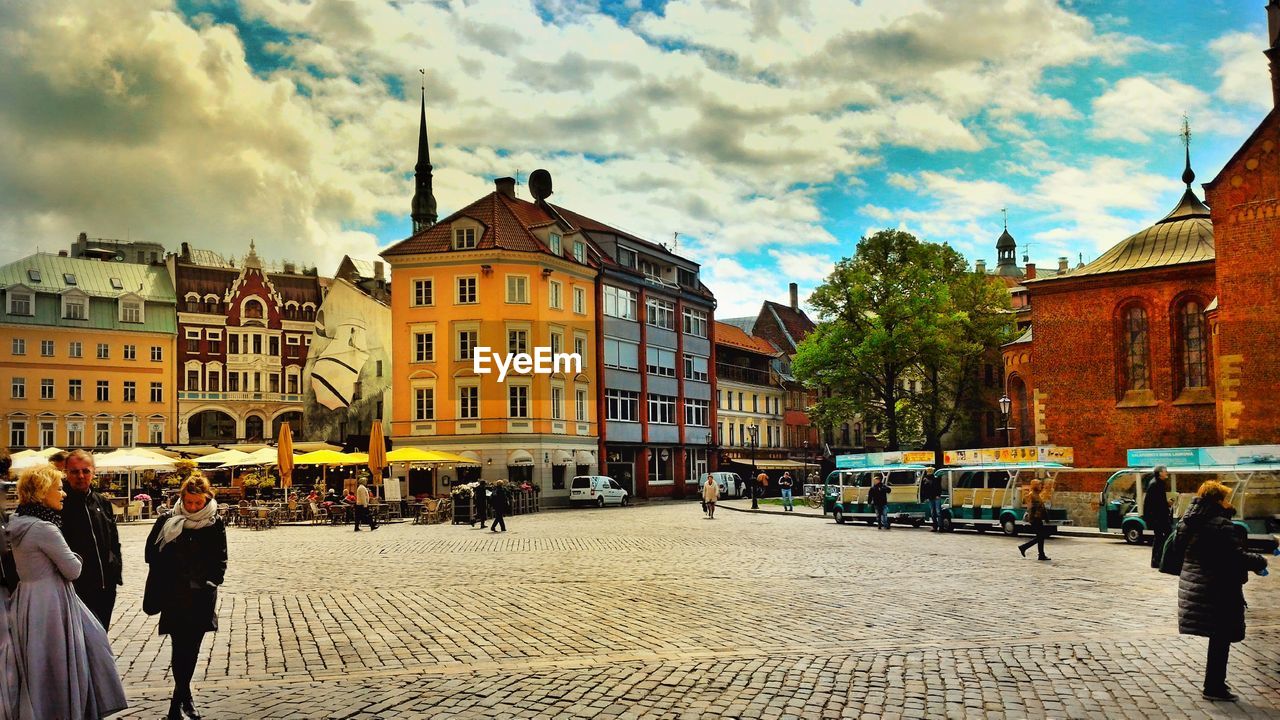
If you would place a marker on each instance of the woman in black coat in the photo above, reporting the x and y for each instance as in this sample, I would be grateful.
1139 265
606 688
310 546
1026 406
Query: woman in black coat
1211 588
187 552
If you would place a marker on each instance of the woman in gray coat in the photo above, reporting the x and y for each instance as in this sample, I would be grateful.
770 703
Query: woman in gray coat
1211 588
65 665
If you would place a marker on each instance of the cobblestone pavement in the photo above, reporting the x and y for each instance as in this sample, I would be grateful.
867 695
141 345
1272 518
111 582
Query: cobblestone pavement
654 611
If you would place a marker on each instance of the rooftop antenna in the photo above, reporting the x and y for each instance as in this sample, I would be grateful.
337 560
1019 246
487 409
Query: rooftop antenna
517 177
1004 212
675 240
1188 175
1026 253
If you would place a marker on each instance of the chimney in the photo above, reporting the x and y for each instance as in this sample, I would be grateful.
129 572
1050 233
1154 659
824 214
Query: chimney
795 296
1273 51
1031 272
83 237
378 270
1062 264
62 253
980 267
506 186
186 251
290 268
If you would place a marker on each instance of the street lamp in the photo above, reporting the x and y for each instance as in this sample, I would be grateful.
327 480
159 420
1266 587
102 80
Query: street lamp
1006 405
711 444
806 463
754 432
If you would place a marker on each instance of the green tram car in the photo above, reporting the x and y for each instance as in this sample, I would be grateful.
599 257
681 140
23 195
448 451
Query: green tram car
905 505
983 489
1251 471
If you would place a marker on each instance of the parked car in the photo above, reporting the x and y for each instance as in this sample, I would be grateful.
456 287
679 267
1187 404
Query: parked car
727 481
599 490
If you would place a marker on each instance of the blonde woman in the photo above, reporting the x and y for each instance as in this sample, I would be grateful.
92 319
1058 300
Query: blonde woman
65 665
1037 516
187 552
710 493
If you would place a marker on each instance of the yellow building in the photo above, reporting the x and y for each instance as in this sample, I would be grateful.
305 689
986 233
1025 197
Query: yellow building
87 356
502 277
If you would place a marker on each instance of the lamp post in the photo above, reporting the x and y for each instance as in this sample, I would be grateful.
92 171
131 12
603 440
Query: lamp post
711 443
754 433
1006 405
806 463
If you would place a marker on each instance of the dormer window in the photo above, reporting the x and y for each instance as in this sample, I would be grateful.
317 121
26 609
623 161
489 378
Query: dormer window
579 251
651 269
554 243
626 258
69 278
464 239
75 307
253 310
21 302
33 275
117 284
687 278
130 310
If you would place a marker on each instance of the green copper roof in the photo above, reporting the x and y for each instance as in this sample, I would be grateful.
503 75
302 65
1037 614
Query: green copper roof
53 276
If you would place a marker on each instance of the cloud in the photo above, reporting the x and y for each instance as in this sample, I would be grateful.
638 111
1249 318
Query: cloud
1140 108
1242 70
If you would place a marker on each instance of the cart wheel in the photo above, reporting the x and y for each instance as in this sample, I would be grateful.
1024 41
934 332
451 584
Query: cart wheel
600 501
917 523
945 524
1009 526
839 515
1133 534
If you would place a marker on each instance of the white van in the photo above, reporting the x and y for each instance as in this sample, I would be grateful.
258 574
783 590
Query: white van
599 490
728 481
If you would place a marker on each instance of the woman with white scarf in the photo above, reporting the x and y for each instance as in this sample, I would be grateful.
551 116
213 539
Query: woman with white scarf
187 551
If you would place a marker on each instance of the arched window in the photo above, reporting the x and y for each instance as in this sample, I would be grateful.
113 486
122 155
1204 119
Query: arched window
1193 347
1136 349
253 309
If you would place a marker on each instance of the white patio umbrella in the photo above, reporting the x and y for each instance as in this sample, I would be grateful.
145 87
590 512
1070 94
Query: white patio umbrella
26 462
218 458
131 460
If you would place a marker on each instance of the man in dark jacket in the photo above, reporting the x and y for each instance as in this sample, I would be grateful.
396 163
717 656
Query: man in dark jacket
878 496
501 505
1211 588
1155 511
931 494
90 529
479 504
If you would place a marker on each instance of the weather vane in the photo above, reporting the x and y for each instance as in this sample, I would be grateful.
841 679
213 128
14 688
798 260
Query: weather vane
1004 213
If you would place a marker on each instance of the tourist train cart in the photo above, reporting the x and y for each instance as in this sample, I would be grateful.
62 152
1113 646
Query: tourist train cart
846 488
982 489
1251 471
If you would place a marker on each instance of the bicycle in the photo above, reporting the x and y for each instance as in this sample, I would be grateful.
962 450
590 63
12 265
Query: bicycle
814 498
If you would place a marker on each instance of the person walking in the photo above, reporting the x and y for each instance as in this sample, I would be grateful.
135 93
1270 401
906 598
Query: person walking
737 484
63 660
187 552
785 483
89 526
1215 568
480 504
500 503
710 494
1037 515
1157 511
878 496
931 494
362 507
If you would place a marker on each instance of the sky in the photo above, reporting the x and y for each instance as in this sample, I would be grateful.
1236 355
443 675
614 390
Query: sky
762 138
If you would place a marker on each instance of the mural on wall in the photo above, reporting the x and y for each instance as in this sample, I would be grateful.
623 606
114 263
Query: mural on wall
347 377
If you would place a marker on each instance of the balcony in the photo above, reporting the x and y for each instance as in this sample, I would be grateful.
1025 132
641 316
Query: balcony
742 374
240 396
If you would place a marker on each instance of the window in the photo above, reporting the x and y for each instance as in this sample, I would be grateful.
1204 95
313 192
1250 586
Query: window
464 239
697 412
46 389
130 352
273 385
253 310
75 349
556 295
518 289
193 380
619 303
466 291
517 341
424 403
468 403
621 354
33 275
423 292
660 313
553 242
126 434
292 382
157 434
17 433
102 434
557 403
21 303
424 347
466 344
580 301
687 278
626 258
131 311
660 361
650 268
580 347
233 382
157 353
215 342
377 372
695 368
740 402
273 346
75 307
19 346
579 251
557 343
622 405
18 388
104 351
662 409
1137 373
1194 350
695 322
193 341
104 391
755 403
75 391
157 392
75 434
46 434
233 343
257 344
518 401
582 405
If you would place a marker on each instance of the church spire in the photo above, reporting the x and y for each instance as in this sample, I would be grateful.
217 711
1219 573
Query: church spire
424 202
1188 175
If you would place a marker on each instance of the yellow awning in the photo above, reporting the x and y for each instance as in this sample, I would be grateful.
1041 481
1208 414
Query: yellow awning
331 457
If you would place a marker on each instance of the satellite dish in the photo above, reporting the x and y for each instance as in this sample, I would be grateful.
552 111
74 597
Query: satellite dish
540 184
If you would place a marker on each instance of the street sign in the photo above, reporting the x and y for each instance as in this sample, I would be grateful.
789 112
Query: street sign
880 459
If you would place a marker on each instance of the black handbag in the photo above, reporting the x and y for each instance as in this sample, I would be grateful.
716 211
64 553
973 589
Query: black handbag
153 593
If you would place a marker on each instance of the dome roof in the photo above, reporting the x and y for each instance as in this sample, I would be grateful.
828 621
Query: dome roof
1006 240
1183 236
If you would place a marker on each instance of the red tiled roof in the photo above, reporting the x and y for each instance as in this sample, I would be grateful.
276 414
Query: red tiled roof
734 336
796 323
507 223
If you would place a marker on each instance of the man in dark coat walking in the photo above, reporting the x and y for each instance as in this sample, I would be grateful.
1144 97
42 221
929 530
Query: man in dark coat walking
479 504
90 530
501 505
1211 588
878 496
1156 511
